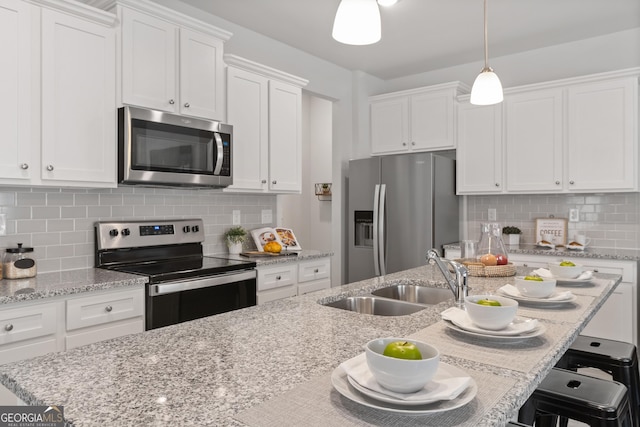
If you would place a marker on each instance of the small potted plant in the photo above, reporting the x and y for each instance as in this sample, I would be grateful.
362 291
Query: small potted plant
234 237
511 235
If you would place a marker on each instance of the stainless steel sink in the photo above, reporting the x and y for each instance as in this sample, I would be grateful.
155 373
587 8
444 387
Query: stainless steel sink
415 294
377 306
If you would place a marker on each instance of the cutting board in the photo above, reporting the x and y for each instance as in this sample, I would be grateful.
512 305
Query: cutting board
258 254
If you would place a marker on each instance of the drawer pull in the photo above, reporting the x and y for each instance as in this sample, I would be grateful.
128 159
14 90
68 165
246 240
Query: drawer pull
8 327
278 277
315 271
108 309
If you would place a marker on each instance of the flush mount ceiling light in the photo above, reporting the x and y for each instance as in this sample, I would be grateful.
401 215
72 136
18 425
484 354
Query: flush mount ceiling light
487 89
357 22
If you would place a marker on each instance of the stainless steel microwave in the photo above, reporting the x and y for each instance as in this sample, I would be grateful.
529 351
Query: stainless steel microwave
161 149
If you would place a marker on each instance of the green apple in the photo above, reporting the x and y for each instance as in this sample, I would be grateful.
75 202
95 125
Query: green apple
402 350
567 264
491 302
536 278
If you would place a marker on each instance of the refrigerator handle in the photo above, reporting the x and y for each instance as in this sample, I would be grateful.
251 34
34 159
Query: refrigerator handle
381 230
376 204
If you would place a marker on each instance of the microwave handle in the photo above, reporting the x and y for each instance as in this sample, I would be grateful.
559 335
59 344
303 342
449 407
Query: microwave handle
220 156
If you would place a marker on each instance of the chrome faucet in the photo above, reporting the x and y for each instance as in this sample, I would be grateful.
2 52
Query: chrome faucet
458 285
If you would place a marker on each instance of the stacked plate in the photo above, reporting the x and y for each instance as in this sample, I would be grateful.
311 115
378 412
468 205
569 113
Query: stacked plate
556 298
450 388
585 278
520 329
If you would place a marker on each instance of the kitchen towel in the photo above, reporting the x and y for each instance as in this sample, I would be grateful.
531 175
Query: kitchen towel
437 389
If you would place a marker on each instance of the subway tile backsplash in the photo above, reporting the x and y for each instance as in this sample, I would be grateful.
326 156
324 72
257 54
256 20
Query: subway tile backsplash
609 220
58 223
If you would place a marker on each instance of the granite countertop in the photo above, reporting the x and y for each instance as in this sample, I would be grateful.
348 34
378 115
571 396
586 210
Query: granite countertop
47 285
589 252
215 370
303 255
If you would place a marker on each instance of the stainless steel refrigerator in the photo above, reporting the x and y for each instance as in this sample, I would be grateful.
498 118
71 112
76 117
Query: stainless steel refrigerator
399 207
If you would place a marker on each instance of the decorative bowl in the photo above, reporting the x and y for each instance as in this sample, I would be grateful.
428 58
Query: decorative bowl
491 317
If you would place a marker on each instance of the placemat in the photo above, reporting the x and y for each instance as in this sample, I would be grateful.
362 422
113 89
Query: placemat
316 403
493 352
571 312
593 288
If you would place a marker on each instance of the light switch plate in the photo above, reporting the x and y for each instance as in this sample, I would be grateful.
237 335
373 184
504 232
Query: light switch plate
3 224
574 215
491 214
267 216
236 217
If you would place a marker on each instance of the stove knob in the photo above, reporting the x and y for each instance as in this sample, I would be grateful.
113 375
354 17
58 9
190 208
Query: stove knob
195 228
113 232
186 228
126 232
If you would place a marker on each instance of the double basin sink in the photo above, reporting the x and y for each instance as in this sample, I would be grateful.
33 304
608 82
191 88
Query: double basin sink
396 300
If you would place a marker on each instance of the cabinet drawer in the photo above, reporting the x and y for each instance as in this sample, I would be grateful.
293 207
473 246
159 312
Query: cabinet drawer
29 322
314 270
276 277
305 288
99 309
102 333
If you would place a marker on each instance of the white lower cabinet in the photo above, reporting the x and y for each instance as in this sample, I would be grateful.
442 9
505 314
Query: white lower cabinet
100 317
617 319
293 278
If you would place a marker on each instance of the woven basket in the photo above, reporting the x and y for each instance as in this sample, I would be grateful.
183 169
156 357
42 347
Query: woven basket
480 270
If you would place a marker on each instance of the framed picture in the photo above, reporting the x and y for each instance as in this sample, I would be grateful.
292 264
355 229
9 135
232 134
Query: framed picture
288 239
552 228
262 236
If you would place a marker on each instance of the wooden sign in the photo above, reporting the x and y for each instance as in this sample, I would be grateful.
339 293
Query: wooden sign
553 228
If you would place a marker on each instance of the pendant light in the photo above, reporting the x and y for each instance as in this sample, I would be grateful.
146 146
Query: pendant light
357 22
487 89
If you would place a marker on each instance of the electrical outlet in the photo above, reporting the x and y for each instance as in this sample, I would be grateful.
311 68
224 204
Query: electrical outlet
267 216
236 217
492 214
574 215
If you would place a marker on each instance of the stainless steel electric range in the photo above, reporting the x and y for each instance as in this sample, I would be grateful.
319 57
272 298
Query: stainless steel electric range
183 284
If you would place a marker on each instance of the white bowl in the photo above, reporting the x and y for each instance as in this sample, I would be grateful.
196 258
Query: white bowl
565 272
535 288
491 317
401 375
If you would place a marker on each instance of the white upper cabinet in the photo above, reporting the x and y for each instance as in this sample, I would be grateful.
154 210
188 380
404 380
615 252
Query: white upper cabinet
16 161
59 115
568 136
415 120
533 135
171 62
78 100
602 136
265 109
479 154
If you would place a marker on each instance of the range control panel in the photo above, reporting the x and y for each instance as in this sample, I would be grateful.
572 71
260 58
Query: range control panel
134 234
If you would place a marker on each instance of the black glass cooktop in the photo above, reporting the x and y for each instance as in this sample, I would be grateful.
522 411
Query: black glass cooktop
184 268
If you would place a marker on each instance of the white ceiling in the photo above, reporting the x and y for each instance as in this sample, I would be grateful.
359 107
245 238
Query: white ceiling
423 35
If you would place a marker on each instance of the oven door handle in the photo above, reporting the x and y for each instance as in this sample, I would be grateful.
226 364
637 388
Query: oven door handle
173 287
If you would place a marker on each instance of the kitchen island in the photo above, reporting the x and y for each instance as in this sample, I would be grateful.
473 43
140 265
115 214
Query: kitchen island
272 364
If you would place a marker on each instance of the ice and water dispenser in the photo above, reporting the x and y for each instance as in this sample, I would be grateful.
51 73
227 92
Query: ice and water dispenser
363 228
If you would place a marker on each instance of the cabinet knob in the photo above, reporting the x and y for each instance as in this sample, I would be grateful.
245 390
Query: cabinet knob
404 144
557 182
49 168
571 182
8 327
497 184
186 105
24 166
315 271
108 309
274 182
278 277
413 143
264 181
171 101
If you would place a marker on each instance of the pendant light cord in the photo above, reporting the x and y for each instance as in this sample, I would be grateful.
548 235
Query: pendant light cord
486 38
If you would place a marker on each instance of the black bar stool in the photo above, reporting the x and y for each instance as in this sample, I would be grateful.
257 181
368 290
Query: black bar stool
619 359
594 401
